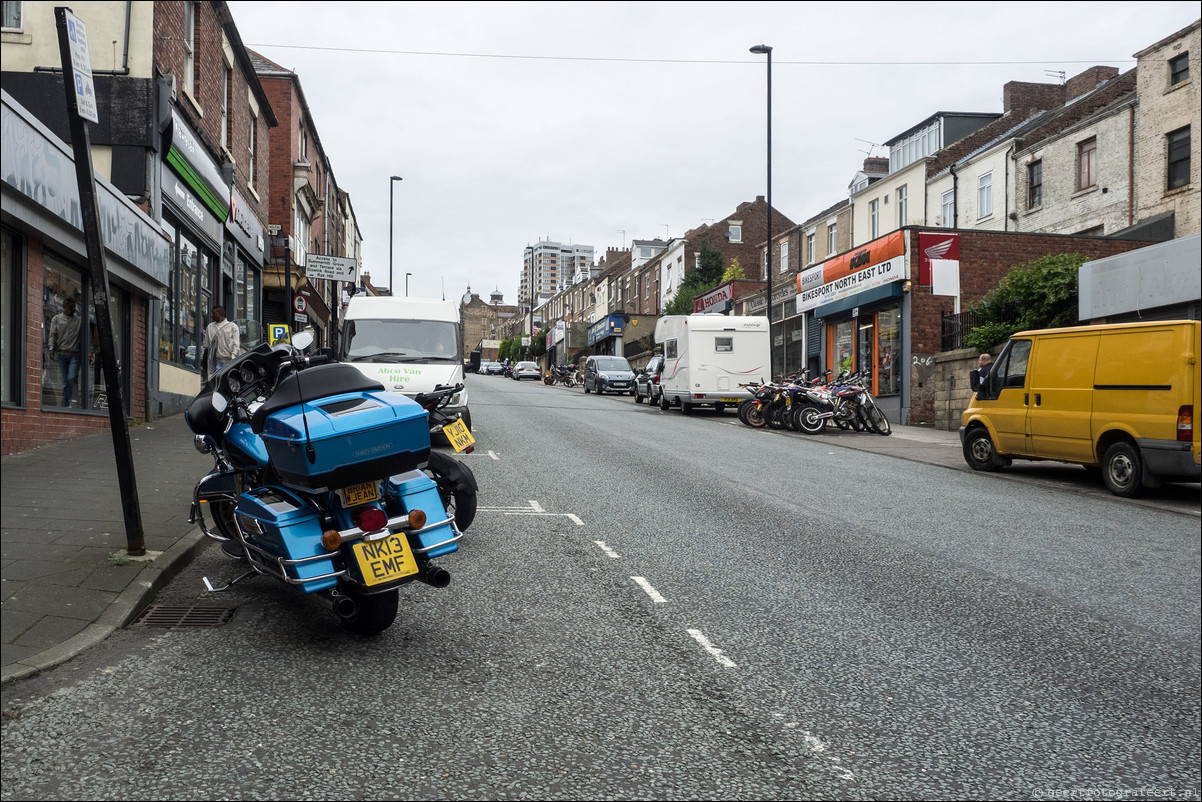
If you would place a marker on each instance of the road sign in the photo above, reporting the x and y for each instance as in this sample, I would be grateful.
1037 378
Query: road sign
81 65
278 333
332 268
300 304
301 319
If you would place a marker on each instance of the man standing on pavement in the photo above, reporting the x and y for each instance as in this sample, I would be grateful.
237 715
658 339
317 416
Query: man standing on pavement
64 347
978 377
222 340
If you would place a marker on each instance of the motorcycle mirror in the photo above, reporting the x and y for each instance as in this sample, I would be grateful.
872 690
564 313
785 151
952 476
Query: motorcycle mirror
302 340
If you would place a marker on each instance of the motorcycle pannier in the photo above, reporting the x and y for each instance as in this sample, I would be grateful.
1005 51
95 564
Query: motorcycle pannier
347 439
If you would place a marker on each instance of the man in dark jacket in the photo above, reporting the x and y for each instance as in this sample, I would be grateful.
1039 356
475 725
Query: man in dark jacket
978 377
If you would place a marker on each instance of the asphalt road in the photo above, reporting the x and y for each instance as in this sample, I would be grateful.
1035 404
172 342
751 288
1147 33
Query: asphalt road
650 606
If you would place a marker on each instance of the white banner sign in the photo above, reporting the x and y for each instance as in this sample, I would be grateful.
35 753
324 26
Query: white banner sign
331 268
81 65
866 279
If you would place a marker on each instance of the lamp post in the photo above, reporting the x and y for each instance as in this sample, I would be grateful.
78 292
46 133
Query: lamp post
391 183
407 275
765 50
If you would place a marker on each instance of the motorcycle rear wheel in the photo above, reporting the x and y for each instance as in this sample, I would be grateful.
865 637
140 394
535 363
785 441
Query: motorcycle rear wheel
756 416
743 407
775 416
807 419
878 422
374 613
454 480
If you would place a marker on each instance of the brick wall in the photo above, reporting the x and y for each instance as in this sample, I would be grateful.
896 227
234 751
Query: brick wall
985 257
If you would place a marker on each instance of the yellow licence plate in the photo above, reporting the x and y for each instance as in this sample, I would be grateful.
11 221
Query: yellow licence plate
731 400
385 560
360 494
458 434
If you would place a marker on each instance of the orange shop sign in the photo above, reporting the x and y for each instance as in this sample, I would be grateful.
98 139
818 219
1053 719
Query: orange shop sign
879 262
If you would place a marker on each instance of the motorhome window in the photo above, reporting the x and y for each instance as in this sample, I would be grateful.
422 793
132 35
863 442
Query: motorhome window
402 340
724 345
670 349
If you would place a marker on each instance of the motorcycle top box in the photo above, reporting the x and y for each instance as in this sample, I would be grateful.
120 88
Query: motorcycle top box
334 441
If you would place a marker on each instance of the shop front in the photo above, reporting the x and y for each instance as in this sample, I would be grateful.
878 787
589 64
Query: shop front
53 386
242 269
858 301
605 336
195 208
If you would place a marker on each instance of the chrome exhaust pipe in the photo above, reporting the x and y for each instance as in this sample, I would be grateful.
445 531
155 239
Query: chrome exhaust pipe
434 576
340 605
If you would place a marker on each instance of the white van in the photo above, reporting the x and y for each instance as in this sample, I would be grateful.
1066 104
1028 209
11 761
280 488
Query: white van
407 344
707 357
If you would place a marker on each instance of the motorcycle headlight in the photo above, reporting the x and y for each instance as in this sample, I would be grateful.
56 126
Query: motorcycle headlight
201 443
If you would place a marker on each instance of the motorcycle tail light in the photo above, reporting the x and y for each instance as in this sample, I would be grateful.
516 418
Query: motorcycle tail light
417 519
369 518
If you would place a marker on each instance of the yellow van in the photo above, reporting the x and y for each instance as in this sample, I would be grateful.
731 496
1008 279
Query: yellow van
1122 398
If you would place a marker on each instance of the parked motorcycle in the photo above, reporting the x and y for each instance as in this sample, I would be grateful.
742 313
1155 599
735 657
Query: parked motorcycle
318 482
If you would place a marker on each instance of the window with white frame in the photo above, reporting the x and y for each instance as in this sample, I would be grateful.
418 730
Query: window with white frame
227 80
985 195
832 239
784 256
949 209
875 217
190 47
736 232
12 15
809 249
902 206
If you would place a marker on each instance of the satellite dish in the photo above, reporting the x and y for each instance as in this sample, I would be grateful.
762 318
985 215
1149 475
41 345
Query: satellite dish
467 297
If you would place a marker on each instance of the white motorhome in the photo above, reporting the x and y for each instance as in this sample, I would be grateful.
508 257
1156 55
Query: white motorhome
707 357
407 344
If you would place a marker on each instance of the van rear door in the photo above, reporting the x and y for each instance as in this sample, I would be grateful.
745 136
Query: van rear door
1061 379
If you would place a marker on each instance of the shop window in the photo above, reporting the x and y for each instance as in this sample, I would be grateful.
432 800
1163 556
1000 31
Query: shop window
842 342
888 349
865 341
12 285
64 336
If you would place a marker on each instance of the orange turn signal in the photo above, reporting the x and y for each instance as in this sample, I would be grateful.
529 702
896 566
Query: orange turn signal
331 539
417 519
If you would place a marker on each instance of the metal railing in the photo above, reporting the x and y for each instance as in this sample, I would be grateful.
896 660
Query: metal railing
955 326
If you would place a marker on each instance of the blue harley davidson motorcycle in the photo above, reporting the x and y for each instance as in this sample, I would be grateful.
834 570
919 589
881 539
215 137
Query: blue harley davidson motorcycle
320 481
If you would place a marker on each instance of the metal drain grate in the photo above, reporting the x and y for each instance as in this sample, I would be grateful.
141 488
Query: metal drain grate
166 616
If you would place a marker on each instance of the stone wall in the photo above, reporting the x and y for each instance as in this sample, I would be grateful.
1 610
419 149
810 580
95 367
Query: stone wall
949 374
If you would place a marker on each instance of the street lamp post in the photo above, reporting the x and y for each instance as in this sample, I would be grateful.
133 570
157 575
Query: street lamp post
765 50
391 183
407 275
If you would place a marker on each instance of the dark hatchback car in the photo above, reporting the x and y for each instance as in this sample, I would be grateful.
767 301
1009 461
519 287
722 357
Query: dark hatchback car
646 381
608 374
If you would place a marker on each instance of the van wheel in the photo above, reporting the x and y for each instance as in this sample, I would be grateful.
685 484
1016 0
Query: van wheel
664 403
979 452
1121 469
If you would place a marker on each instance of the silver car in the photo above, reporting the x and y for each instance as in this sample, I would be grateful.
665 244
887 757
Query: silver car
527 370
608 374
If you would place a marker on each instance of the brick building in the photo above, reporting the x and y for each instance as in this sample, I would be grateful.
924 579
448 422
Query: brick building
180 192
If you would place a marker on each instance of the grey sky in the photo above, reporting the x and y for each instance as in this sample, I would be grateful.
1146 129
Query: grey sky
511 122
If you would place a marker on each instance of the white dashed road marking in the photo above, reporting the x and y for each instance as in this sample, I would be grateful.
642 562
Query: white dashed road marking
714 651
652 592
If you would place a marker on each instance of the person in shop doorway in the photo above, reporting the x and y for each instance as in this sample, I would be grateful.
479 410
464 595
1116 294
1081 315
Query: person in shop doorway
978 377
64 347
222 340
